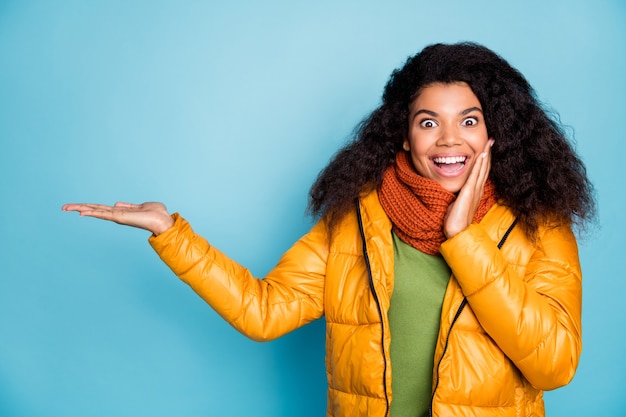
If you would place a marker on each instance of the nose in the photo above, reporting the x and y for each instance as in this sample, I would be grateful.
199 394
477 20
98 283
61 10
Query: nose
450 136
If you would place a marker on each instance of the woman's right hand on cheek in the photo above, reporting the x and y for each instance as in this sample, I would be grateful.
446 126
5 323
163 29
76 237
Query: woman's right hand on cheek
152 217
461 212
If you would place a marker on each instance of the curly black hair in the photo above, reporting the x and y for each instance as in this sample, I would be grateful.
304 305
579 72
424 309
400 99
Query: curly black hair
535 169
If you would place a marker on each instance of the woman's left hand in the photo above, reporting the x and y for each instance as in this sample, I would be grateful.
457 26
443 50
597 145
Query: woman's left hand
461 212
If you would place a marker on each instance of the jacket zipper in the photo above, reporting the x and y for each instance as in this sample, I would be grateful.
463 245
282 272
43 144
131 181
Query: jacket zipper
380 311
456 316
445 348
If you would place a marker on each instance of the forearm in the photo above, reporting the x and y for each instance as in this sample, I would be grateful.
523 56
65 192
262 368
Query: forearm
260 309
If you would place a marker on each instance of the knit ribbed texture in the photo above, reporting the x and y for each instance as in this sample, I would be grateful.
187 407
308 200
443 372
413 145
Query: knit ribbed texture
417 205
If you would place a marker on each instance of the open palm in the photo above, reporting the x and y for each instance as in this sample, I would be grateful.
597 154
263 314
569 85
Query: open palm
149 216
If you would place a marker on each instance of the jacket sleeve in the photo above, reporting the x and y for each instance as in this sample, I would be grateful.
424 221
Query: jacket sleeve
533 313
290 296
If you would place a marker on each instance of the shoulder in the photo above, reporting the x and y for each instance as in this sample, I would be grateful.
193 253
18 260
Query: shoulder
557 244
368 216
372 213
555 241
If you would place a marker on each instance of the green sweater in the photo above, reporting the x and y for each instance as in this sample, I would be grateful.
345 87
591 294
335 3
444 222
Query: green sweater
420 282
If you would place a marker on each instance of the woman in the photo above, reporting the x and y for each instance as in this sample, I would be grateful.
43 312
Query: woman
444 260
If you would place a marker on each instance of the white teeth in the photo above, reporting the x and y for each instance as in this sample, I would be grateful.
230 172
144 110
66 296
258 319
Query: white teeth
449 160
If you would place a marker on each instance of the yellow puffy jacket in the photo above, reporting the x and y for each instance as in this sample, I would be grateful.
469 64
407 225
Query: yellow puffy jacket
510 324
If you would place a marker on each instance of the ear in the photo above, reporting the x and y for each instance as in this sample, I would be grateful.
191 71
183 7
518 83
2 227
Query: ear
405 145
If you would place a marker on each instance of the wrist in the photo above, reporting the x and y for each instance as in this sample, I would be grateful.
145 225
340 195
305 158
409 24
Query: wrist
162 225
453 230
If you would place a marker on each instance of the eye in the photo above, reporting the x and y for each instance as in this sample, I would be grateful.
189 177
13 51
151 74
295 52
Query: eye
428 123
469 121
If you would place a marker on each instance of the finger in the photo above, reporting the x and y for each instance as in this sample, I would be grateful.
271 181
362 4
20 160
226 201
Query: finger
72 206
99 214
125 205
486 166
481 168
84 206
483 173
472 179
489 145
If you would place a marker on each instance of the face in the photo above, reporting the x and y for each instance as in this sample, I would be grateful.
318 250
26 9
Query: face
447 132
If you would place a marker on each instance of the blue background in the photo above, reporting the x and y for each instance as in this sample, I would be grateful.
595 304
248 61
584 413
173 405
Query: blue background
226 111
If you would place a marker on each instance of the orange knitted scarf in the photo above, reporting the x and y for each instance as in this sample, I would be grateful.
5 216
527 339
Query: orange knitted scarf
417 205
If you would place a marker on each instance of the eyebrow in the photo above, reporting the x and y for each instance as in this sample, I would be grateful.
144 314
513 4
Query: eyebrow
434 114
471 109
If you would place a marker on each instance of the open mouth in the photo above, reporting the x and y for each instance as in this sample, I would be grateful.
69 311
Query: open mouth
450 164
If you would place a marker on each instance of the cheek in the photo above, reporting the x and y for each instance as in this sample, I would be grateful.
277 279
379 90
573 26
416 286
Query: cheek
419 159
481 139
419 145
